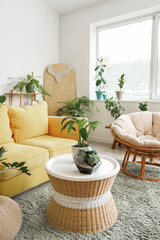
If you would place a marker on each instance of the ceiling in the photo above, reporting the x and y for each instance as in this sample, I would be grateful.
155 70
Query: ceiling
65 6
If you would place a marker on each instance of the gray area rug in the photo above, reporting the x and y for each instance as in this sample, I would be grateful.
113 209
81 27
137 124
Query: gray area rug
138 203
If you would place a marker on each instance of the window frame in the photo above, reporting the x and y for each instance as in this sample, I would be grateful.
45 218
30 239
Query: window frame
154 46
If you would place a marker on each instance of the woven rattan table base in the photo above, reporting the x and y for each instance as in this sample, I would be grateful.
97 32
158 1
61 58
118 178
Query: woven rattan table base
89 220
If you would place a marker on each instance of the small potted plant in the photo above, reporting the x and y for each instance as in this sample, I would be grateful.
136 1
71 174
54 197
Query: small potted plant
87 160
143 106
100 80
114 107
121 82
81 129
30 84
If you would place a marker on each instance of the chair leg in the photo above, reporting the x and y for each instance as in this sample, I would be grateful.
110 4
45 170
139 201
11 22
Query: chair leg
126 163
125 156
143 167
114 144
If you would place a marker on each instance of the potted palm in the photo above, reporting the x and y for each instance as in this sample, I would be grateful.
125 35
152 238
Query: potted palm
100 80
121 82
78 107
81 129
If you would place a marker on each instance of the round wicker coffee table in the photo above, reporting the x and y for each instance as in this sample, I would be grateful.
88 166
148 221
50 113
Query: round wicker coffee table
81 203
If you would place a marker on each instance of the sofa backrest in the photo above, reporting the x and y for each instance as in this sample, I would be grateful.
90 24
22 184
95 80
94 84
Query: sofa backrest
5 131
28 121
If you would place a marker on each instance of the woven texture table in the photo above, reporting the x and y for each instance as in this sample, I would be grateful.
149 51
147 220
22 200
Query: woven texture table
81 203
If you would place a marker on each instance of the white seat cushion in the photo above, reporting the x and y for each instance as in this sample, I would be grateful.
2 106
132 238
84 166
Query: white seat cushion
141 129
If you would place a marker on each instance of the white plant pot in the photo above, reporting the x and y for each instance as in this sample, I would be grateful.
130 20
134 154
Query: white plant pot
75 149
120 95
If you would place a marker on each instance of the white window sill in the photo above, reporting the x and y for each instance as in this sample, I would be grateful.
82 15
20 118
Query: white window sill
133 100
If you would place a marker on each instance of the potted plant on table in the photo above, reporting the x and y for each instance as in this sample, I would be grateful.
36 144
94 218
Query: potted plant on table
114 107
30 84
143 106
100 80
81 129
121 82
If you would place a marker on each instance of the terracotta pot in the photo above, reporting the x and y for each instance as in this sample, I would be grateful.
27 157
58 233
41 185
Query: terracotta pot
120 95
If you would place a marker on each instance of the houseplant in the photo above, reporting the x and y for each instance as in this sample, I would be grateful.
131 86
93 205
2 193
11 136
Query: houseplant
143 106
80 128
30 84
78 107
121 82
114 107
100 80
87 160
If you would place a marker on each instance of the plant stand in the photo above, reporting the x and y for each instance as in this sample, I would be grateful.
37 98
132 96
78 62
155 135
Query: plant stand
115 142
21 94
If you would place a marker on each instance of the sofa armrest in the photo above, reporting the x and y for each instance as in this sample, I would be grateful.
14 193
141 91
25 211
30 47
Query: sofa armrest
54 127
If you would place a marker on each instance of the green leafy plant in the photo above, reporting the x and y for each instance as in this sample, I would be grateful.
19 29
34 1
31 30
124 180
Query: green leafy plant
114 107
143 106
100 80
2 99
19 166
29 84
80 127
79 107
121 81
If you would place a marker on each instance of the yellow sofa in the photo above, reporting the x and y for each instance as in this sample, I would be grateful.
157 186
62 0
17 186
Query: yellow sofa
30 135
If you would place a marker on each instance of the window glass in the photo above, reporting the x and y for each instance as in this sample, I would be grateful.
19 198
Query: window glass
158 75
127 50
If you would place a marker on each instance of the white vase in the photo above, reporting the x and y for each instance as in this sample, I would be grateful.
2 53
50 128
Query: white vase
75 148
120 95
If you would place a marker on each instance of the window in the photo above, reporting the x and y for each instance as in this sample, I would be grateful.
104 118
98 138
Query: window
132 49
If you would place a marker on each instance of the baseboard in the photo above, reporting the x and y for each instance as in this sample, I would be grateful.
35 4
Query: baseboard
98 139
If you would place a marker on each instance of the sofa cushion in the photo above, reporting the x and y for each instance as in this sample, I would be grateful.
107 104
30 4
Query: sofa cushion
5 131
28 121
55 146
33 156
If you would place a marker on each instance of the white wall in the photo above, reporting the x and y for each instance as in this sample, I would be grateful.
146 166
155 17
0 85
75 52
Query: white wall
74 50
29 38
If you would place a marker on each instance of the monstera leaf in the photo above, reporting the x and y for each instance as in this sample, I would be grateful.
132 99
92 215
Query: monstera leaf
2 99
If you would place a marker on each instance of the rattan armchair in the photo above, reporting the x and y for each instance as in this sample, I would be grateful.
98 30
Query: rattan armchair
140 133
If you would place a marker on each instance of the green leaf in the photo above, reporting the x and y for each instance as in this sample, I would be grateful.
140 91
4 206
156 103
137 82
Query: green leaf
20 164
103 80
100 74
81 123
2 99
14 164
96 68
70 127
5 164
104 65
83 134
102 70
98 82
